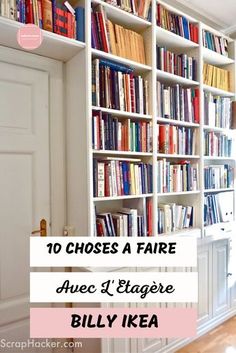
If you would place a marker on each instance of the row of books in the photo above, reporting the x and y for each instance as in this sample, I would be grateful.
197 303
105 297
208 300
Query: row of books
177 24
138 8
175 139
177 64
173 217
108 133
218 176
176 177
47 14
115 86
115 39
216 43
217 144
218 111
178 103
119 177
218 208
125 222
216 77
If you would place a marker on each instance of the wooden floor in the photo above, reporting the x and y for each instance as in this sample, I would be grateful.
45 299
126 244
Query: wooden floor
220 340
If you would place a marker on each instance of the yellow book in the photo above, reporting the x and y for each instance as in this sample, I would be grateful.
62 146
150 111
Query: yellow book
113 43
132 180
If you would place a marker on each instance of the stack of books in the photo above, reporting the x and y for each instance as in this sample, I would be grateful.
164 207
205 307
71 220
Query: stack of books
216 77
218 111
215 43
115 39
49 15
115 86
174 177
218 176
108 133
176 140
218 208
177 64
126 222
177 24
120 176
173 217
178 103
217 144
138 8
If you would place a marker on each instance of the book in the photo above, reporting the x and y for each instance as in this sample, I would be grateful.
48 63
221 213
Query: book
110 133
217 111
117 177
178 103
216 77
217 144
176 140
219 44
177 64
114 86
138 8
175 23
114 38
176 177
218 208
218 176
173 217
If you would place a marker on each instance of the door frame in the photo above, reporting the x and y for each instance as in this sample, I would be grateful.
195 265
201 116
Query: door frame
56 111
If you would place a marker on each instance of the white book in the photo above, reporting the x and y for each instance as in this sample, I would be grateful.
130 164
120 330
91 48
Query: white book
101 179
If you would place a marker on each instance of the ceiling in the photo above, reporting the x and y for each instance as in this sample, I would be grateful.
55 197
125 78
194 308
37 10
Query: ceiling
222 12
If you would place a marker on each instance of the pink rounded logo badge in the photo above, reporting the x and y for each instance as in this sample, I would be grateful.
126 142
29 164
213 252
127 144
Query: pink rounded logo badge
29 37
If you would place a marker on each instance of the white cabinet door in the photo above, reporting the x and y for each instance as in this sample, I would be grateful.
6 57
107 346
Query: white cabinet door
220 277
204 283
232 271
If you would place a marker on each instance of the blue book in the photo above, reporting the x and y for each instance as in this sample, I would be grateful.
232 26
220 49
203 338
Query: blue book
115 66
79 16
186 28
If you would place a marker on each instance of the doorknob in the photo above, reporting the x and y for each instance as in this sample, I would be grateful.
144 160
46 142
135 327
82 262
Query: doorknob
43 228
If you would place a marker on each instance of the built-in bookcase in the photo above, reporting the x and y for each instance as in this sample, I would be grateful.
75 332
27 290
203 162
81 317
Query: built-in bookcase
78 58
81 201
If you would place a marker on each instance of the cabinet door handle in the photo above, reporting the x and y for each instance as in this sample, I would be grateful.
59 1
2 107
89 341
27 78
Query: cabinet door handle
229 274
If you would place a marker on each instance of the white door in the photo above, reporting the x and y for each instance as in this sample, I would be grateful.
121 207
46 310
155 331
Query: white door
24 187
220 277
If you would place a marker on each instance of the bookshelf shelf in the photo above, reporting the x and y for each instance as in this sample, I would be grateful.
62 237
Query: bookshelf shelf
178 193
123 114
179 156
217 129
217 91
125 197
213 58
123 17
53 46
218 158
170 39
139 68
208 191
177 122
122 153
171 78
180 232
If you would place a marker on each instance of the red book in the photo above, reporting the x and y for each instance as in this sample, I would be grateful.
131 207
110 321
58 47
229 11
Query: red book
29 11
103 33
100 232
163 138
69 24
149 218
171 139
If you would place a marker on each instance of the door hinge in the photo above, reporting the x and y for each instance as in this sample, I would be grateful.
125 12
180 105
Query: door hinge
69 231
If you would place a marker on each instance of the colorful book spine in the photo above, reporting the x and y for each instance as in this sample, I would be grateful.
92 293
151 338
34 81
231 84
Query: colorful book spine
116 177
173 217
218 176
216 43
217 144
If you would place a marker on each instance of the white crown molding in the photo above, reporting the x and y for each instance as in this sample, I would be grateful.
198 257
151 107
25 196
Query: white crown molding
201 12
230 30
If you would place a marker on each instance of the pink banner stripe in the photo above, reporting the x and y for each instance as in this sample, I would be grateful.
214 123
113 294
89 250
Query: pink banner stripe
57 322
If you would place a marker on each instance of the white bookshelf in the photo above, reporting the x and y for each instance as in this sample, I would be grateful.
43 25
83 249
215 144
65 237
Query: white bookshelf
77 58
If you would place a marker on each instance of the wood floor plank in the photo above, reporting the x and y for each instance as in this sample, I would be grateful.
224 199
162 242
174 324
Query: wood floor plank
220 340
